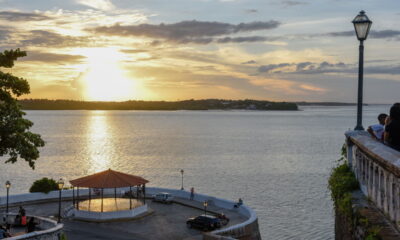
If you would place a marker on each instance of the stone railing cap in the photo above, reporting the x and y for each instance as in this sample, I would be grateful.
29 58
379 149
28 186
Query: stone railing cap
384 155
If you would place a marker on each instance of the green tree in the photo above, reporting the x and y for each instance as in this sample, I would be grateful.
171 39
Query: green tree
15 139
44 185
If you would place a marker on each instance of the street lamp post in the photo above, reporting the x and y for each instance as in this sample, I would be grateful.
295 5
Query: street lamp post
362 24
182 178
60 187
205 204
8 185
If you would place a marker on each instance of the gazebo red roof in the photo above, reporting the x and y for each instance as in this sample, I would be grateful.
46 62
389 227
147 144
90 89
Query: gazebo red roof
108 179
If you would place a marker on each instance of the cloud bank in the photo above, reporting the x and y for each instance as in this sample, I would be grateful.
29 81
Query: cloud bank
382 34
326 67
200 32
22 16
97 4
53 58
47 38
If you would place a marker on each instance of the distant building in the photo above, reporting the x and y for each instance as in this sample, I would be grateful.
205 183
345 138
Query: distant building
251 107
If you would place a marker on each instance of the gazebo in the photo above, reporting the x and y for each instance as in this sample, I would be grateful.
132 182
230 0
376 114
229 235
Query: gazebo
106 180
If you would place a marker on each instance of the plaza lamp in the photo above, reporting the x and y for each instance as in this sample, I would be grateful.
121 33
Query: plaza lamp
205 204
362 24
60 187
182 178
8 185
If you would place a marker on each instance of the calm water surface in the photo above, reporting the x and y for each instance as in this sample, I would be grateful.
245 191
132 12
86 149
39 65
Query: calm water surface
277 162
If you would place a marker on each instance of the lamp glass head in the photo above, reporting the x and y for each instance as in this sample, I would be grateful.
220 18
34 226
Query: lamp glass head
8 184
60 183
362 24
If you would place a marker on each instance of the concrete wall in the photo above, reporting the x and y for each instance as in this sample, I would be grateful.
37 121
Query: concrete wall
377 169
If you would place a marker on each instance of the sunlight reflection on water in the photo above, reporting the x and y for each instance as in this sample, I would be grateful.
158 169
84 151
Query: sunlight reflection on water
99 144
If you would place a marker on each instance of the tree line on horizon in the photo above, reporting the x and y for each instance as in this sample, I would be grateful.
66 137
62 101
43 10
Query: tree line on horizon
205 104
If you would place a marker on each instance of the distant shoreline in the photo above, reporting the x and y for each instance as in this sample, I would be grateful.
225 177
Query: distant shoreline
325 104
336 104
206 104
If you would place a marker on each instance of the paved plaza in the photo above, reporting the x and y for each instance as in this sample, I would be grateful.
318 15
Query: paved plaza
166 221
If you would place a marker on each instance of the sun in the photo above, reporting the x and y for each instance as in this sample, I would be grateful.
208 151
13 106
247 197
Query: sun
104 79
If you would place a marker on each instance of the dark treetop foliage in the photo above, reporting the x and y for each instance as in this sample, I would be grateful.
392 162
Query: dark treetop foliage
15 139
44 185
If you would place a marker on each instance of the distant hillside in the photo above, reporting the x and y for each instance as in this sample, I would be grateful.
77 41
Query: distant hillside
207 104
325 104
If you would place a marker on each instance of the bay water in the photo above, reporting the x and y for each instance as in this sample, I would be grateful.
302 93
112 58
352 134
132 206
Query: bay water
278 162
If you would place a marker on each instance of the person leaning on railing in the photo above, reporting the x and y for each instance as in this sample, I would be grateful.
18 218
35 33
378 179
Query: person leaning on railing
377 130
392 127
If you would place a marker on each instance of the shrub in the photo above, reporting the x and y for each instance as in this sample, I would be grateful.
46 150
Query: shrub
341 181
44 185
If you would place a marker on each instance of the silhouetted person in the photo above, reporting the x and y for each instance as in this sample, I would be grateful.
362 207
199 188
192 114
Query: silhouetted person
30 227
377 130
21 211
192 193
392 127
239 203
22 216
3 232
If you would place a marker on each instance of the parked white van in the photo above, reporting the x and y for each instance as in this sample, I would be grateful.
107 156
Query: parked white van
163 197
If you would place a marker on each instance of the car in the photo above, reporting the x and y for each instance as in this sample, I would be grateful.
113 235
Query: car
163 197
204 222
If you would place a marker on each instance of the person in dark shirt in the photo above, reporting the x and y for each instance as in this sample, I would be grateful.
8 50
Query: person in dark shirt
21 211
392 127
2 233
30 227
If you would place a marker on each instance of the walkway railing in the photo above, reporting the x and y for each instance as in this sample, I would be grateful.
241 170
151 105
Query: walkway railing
377 169
50 230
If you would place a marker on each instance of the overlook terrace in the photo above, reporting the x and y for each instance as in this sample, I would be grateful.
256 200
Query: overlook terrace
163 221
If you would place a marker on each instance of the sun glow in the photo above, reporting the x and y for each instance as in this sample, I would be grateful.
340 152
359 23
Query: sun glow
105 80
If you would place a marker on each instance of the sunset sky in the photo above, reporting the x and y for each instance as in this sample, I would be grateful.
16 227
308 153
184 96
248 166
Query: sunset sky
293 50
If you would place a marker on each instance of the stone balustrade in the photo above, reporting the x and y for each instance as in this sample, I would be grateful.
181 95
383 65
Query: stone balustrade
377 169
